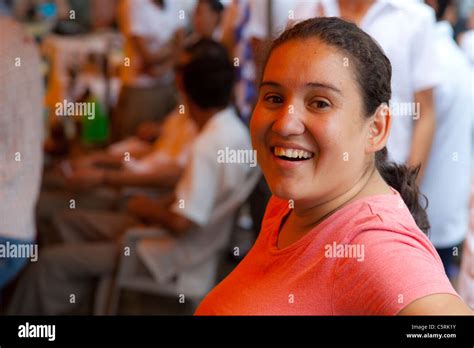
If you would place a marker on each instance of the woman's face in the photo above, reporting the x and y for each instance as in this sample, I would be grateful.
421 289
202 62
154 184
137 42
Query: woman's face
308 127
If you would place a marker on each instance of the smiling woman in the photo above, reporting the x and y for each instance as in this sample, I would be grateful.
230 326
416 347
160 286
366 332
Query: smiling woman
320 127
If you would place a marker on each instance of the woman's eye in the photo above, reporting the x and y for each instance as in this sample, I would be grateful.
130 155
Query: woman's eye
320 104
274 99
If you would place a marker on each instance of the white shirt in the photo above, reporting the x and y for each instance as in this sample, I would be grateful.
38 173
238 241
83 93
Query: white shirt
145 19
172 147
21 131
205 185
405 31
467 45
206 182
282 12
447 179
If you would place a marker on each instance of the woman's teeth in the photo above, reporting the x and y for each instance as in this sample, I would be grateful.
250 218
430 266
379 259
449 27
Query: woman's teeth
293 154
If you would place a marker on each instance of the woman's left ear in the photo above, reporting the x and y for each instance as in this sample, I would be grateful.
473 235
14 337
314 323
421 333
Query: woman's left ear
379 129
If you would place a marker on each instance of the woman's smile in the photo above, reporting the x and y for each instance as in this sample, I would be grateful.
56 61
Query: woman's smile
290 155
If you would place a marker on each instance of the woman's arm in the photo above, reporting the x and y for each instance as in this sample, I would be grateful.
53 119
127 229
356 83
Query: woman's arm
438 304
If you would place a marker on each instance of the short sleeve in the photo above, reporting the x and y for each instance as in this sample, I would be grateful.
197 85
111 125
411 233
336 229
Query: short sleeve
423 53
389 271
197 190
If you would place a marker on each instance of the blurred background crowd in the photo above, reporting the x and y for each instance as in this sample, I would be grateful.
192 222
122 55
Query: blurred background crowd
111 115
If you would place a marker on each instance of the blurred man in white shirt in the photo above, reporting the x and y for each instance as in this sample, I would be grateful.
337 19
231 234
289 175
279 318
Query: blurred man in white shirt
21 136
466 39
446 183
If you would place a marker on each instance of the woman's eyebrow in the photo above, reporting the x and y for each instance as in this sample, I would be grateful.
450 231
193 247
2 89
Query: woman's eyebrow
308 85
269 83
323 85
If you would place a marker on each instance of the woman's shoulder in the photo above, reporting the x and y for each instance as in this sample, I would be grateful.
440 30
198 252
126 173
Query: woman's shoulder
377 212
396 262
382 223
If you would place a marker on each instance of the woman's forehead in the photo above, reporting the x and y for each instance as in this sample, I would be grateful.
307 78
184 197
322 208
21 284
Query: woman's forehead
304 62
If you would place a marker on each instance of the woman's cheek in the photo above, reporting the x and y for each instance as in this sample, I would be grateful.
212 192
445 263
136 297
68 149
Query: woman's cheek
260 121
256 131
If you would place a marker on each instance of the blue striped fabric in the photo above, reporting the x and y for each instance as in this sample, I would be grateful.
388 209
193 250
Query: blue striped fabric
246 91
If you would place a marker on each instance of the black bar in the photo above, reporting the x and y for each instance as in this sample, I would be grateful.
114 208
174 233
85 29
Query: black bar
135 331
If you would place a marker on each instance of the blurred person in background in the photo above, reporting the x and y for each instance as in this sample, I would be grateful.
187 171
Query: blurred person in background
68 17
151 160
154 33
21 124
466 38
103 13
88 14
177 129
154 158
236 36
207 20
6 7
406 32
466 274
450 159
91 249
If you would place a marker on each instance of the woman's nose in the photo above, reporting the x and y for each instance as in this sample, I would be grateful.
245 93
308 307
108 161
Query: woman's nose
288 123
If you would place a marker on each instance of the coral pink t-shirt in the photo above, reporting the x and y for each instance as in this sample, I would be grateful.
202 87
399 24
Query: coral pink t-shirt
368 258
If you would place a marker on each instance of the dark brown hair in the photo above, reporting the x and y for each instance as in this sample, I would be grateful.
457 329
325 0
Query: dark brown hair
373 73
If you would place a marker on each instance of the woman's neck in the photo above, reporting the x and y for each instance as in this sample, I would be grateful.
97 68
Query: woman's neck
305 216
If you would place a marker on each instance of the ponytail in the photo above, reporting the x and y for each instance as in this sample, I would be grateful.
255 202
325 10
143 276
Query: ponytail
403 179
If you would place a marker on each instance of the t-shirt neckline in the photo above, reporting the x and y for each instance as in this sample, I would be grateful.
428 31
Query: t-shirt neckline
274 250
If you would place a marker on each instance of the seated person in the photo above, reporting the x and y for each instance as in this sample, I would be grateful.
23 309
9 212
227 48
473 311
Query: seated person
155 157
134 162
71 268
91 180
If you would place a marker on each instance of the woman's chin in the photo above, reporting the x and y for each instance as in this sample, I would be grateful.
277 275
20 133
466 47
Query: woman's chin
284 192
